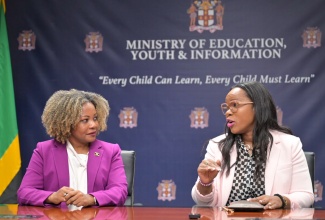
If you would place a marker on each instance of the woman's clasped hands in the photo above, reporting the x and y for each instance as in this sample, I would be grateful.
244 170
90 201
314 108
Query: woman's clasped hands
71 197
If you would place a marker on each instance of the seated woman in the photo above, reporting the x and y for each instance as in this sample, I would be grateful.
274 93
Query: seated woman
256 159
74 168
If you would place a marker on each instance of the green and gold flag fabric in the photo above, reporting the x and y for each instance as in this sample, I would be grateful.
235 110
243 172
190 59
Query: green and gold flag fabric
10 161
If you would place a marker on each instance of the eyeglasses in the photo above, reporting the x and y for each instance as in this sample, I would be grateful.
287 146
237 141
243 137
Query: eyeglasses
233 106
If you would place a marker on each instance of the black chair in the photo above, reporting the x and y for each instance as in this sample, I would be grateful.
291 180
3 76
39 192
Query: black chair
128 157
310 157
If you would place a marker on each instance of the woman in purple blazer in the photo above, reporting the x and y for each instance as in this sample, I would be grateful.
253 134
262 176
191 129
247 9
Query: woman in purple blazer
256 159
74 169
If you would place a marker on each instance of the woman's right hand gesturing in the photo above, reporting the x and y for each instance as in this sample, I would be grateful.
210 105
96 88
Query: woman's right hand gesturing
207 171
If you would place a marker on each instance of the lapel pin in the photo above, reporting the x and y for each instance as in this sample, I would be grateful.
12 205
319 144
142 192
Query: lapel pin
97 154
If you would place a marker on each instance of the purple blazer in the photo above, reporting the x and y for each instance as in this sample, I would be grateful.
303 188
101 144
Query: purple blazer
48 171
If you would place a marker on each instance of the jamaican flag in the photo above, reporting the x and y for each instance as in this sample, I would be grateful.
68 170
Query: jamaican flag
10 161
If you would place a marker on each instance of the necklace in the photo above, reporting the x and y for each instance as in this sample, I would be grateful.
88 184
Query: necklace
248 147
81 159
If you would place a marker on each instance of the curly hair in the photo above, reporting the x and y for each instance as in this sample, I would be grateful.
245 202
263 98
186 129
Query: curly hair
63 109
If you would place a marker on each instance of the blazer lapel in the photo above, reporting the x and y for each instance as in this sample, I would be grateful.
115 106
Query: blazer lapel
271 164
227 184
94 159
61 163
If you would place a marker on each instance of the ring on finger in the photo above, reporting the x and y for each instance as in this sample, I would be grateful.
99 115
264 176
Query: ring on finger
206 163
65 194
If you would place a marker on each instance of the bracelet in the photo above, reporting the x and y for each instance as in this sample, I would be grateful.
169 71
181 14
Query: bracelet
284 202
205 184
95 200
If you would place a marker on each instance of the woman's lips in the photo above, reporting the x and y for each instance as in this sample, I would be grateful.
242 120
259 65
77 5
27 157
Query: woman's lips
230 123
92 134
